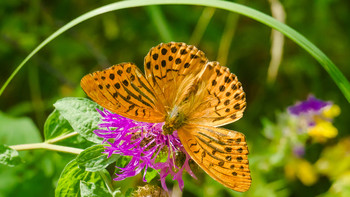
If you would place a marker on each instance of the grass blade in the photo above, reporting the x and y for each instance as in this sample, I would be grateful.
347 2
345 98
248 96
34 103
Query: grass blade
327 64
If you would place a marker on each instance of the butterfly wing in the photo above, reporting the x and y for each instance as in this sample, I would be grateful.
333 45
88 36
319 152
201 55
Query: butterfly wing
170 68
124 90
221 153
220 98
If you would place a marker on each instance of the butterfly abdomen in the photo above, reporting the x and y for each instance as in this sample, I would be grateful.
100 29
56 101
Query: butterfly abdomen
174 120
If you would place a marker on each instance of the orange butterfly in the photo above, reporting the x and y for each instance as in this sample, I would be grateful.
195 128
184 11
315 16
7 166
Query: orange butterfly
191 95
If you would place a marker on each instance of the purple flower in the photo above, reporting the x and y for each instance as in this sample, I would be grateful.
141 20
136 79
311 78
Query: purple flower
311 105
143 142
299 150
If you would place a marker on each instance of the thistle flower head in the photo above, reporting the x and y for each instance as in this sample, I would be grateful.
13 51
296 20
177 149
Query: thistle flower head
143 142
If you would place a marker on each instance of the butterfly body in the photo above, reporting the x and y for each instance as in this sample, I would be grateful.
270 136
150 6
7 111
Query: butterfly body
190 95
174 120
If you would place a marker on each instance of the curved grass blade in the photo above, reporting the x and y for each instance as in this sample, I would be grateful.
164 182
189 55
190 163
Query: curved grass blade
327 64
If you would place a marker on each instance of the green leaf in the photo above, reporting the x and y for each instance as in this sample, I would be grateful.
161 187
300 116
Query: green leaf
123 161
151 174
9 156
129 192
56 125
88 189
92 159
82 116
20 130
69 182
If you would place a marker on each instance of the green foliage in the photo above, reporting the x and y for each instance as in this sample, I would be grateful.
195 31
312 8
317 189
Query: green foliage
90 190
151 174
57 129
82 116
83 176
8 156
126 36
70 183
329 66
129 192
37 168
92 159
11 128
56 125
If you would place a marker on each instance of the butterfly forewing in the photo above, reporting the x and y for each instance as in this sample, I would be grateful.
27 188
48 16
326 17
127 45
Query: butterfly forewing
169 66
123 89
223 100
219 152
180 82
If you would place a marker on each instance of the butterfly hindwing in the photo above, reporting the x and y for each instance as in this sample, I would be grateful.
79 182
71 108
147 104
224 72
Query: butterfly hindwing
223 100
169 66
124 90
221 153
191 95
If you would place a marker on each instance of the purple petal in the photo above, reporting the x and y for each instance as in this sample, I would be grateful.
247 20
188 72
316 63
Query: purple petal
312 104
143 142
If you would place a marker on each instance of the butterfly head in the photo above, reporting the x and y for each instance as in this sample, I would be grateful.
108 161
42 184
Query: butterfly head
173 121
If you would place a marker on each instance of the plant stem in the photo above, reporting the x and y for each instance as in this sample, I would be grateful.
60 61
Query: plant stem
277 42
47 146
202 25
227 37
160 22
54 140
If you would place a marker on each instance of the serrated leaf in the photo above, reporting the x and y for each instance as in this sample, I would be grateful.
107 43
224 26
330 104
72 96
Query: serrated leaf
92 159
69 182
56 125
82 116
9 156
88 189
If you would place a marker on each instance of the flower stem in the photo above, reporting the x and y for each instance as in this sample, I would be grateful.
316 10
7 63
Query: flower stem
201 26
48 147
59 138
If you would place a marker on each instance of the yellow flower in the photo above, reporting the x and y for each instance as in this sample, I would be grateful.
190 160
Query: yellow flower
322 131
340 186
301 169
331 112
335 160
306 173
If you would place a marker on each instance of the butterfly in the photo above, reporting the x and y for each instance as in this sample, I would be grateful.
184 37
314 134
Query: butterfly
189 94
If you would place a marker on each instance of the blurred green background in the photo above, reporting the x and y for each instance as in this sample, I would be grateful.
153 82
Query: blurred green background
240 43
